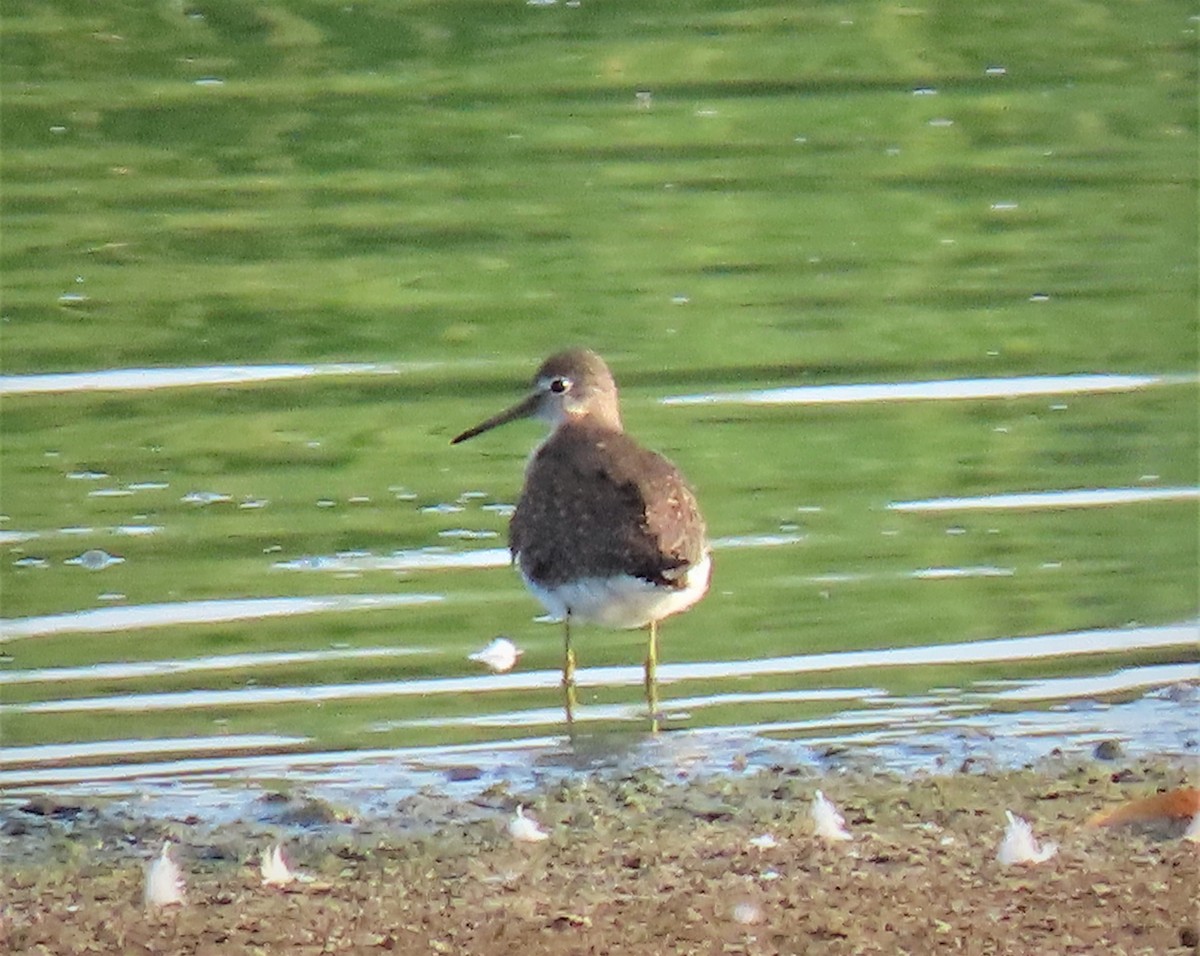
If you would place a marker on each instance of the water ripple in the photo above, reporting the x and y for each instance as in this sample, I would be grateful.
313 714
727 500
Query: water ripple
100 620
972 652
129 670
951 389
1075 498
140 379
51 753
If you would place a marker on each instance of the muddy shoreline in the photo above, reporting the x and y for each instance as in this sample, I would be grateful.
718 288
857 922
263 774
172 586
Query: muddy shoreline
636 862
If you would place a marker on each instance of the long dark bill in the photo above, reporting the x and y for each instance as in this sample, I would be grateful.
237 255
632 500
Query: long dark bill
523 409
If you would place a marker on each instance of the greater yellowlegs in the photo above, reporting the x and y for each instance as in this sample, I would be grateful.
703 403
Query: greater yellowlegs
605 530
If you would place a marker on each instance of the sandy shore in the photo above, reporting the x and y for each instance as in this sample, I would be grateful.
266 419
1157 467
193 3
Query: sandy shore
634 863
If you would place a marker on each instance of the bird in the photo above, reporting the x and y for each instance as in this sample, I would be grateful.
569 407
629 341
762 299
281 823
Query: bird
605 530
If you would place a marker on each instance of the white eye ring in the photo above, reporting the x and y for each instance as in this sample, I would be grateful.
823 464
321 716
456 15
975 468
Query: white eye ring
560 384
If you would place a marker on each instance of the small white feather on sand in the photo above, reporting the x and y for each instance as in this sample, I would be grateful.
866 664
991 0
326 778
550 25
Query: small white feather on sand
827 822
164 880
275 870
1019 845
525 829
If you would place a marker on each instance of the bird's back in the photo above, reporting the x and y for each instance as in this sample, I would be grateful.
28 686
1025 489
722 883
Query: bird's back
597 504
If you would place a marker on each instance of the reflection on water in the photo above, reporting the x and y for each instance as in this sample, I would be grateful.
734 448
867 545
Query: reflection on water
976 652
952 389
417 559
124 530
678 709
1130 678
1077 498
229 743
128 670
141 379
920 574
200 612
95 559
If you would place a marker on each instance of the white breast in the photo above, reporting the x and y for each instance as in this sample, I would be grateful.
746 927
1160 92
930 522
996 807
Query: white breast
622 601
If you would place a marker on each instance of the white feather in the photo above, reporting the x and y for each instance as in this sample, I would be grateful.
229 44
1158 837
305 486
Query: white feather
827 822
500 655
274 868
1019 845
524 829
164 880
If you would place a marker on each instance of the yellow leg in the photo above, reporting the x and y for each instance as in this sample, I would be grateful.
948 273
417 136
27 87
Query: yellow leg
652 677
568 673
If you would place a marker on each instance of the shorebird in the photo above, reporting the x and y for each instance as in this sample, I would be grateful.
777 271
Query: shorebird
604 531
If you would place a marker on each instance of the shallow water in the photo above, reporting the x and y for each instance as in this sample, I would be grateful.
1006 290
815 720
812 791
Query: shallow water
911 301
946 730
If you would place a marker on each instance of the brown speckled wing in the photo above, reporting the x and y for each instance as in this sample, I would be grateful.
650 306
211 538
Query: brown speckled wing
597 504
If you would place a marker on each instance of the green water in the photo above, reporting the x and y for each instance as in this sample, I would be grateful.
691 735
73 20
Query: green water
810 193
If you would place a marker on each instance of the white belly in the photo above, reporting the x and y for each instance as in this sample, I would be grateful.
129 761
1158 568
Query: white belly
622 601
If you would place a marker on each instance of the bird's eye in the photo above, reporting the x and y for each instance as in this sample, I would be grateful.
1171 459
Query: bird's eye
560 385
